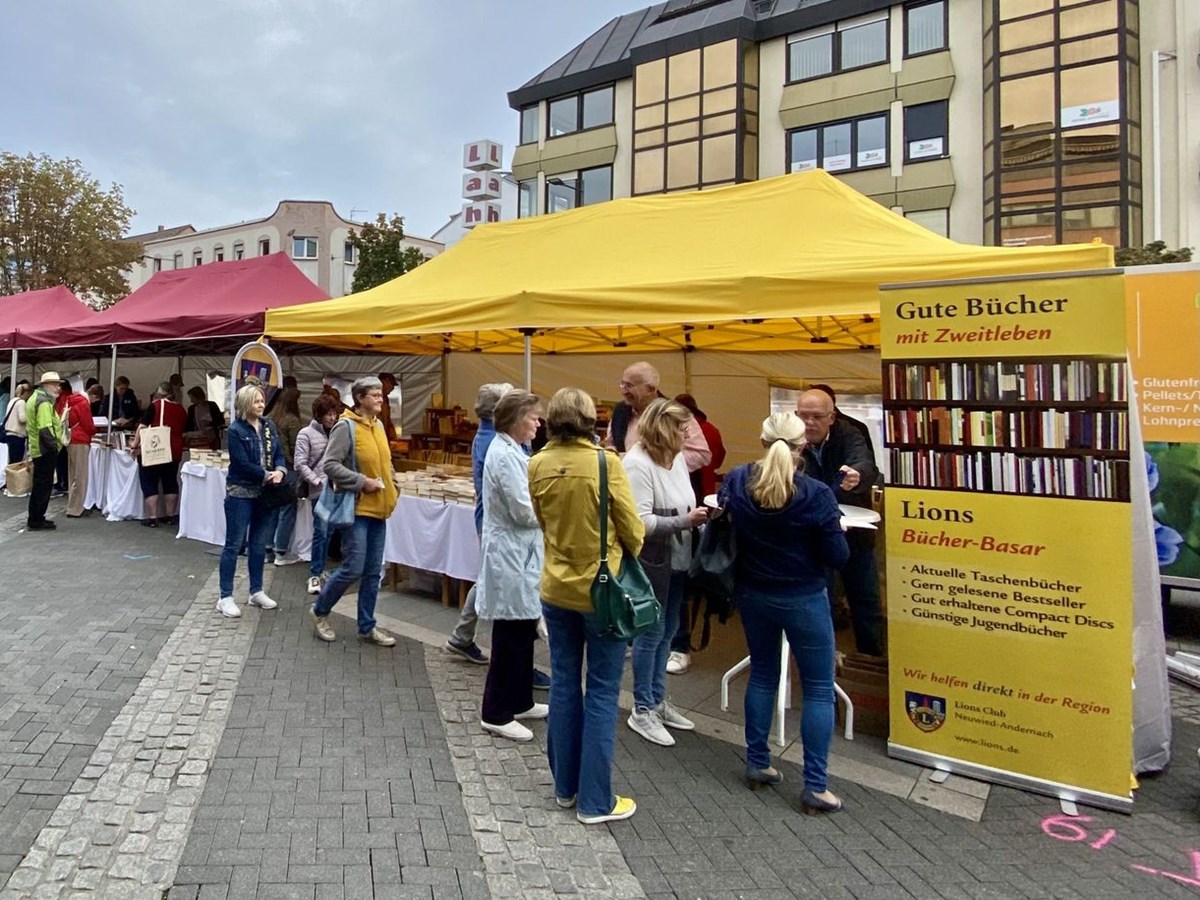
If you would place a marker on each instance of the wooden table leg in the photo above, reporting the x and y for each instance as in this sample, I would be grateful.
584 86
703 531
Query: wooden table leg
445 590
463 587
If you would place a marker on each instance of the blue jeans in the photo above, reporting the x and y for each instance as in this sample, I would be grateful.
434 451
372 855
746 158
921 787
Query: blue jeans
582 730
808 624
320 542
285 519
362 561
651 649
242 515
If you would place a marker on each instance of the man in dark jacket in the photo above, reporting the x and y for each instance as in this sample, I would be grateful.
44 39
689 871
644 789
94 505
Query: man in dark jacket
837 454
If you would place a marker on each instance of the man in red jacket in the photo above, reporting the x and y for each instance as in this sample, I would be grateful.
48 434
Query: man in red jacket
77 415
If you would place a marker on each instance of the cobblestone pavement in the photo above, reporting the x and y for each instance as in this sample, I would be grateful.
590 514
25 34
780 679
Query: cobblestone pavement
149 748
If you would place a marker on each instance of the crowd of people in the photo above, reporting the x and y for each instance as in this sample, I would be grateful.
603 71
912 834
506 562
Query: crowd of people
538 517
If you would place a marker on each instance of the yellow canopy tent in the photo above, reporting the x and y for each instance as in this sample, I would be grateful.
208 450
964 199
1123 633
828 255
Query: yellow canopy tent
782 264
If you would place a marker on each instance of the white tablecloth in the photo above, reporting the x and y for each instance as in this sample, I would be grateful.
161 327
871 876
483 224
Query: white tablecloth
3 461
122 491
202 509
97 478
424 534
433 535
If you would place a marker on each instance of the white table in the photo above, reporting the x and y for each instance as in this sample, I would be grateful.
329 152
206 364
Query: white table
3 463
422 534
122 498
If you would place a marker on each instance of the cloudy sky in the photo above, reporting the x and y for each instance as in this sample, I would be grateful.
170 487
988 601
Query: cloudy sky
211 112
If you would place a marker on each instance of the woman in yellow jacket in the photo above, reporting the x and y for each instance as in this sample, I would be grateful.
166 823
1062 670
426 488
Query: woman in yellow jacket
564 485
363 466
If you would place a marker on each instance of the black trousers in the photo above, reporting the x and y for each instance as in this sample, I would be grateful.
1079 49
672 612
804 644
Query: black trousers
509 687
62 479
43 482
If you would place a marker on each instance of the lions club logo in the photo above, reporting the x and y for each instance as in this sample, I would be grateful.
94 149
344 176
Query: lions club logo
925 711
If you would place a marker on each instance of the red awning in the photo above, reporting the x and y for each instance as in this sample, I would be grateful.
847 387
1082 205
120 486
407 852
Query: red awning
38 311
218 300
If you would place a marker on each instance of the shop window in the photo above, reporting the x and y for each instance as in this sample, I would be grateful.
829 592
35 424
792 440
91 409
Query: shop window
926 131
529 124
527 199
847 45
576 112
925 28
304 248
840 146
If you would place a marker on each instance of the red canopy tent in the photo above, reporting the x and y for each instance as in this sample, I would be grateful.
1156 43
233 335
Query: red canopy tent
38 311
194 308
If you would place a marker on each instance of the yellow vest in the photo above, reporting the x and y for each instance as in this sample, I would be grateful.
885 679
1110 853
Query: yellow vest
373 459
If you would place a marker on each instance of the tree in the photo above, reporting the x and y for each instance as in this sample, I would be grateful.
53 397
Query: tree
382 254
1152 254
57 226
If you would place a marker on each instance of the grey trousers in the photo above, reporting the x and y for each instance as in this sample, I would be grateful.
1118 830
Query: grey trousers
463 634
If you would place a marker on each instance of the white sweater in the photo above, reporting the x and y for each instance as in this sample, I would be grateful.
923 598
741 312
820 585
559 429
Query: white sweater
663 497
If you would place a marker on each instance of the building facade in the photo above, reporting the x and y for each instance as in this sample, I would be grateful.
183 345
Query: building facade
310 231
1008 122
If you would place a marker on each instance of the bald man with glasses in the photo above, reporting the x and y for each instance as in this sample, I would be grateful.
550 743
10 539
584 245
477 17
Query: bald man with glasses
837 454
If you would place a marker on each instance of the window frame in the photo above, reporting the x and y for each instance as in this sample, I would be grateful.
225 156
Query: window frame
157 264
307 239
529 187
853 122
197 258
219 253
264 246
535 110
578 96
945 136
834 32
239 250
577 176
348 255
945 28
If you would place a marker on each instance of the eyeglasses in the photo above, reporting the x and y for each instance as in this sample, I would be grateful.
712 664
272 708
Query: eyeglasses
628 385
812 417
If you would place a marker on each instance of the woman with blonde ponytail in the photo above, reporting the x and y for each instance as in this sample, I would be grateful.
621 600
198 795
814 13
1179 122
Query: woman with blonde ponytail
788 532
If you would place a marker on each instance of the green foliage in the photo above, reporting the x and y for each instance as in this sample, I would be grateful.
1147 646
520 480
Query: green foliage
1152 254
382 254
57 226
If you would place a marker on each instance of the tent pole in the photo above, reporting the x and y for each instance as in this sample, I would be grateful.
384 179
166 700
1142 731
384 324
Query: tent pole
445 378
528 333
12 383
112 386
687 369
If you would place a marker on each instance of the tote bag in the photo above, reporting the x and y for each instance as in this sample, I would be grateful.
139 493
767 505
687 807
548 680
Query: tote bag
334 507
155 443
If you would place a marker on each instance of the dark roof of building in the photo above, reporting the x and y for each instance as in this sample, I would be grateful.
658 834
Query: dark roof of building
161 234
674 26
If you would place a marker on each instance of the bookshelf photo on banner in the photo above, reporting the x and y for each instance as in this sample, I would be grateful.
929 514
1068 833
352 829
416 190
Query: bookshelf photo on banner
1009 531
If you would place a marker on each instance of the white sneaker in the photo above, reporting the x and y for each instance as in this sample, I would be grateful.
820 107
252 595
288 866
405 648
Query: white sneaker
314 584
262 601
537 711
514 731
673 718
286 560
678 663
647 723
229 609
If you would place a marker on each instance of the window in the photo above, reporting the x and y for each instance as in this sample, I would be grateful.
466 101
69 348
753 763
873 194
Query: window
848 45
529 124
840 146
239 250
348 252
574 189
177 262
925 28
527 199
936 220
197 257
576 112
304 248
264 246
218 253
158 264
926 131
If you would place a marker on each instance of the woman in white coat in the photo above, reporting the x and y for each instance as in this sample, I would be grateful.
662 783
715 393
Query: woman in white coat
508 592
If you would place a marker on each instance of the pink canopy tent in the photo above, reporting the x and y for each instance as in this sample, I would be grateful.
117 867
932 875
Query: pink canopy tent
185 309
38 311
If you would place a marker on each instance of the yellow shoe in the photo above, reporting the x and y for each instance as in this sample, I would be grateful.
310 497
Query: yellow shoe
624 808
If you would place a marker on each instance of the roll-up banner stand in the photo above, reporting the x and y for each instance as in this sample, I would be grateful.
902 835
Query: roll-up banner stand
1163 311
1009 531
255 363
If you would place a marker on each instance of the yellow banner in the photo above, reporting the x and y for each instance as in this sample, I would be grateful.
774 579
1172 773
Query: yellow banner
1163 314
1009 535
1046 317
1009 631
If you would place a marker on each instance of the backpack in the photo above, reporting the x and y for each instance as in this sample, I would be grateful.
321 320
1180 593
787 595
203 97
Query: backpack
66 424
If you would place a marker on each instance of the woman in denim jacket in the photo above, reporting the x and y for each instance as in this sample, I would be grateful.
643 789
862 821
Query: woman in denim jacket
255 458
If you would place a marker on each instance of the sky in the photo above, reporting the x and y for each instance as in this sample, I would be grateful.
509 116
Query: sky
209 113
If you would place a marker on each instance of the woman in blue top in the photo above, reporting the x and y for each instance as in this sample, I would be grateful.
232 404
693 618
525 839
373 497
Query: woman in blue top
788 532
255 458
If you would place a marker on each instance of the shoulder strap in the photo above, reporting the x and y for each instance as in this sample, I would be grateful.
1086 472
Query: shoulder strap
12 404
603 508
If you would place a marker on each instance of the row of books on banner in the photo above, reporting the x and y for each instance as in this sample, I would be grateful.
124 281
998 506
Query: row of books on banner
981 381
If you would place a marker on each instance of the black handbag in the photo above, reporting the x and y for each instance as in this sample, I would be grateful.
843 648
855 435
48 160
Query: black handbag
624 603
711 570
281 493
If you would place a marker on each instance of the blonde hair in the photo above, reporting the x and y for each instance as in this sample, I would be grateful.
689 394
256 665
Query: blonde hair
243 400
659 430
783 436
571 413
